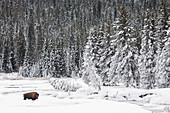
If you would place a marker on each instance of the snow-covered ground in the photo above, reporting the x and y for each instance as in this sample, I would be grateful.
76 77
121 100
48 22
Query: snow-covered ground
85 99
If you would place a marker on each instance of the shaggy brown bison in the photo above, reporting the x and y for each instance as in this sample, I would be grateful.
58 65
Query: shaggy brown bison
31 95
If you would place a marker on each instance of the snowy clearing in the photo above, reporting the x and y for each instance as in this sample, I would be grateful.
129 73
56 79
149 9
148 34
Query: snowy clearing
83 100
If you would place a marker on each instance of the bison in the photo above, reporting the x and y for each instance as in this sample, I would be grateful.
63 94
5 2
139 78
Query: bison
31 95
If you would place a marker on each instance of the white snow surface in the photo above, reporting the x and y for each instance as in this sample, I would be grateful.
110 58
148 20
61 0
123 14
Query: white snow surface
85 99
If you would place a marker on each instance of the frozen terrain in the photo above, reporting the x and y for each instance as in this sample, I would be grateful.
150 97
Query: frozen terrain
85 99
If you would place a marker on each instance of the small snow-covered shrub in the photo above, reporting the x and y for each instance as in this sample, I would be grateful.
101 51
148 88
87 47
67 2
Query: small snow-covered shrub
67 84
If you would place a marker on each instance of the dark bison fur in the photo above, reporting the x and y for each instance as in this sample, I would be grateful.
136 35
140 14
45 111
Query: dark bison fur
31 95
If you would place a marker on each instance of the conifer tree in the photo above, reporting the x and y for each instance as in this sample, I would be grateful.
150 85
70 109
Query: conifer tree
104 52
1 52
112 76
13 55
162 62
29 59
89 70
45 59
21 48
162 26
6 64
40 42
77 54
53 62
161 37
125 58
60 57
163 75
147 56
57 59
98 57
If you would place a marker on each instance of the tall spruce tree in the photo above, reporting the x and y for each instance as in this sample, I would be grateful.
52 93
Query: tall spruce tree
90 69
57 59
161 37
40 42
162 26
45 59
6 64
60 57
125 58
147 56
1 52
113 77
53 72
13 55
21 48
163 75
29 59
104 52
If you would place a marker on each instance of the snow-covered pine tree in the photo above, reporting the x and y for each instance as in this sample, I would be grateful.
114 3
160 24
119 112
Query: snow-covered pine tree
163 75
44 63
53 62
6 64
57 59
105 51
112 76
78 54
31 48
13 55
124 66
147 56
70 65
29 59
1 52
73 54
137 33
99 55
21 48
100 51
40 67
161 37
40 42
89 69
61 62
162 26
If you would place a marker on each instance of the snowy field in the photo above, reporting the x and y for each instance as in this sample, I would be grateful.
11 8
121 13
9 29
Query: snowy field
84 100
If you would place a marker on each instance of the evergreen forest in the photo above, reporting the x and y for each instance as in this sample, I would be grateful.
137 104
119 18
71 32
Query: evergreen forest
104 42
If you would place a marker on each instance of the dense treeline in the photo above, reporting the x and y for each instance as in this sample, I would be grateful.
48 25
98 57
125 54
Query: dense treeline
106 42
